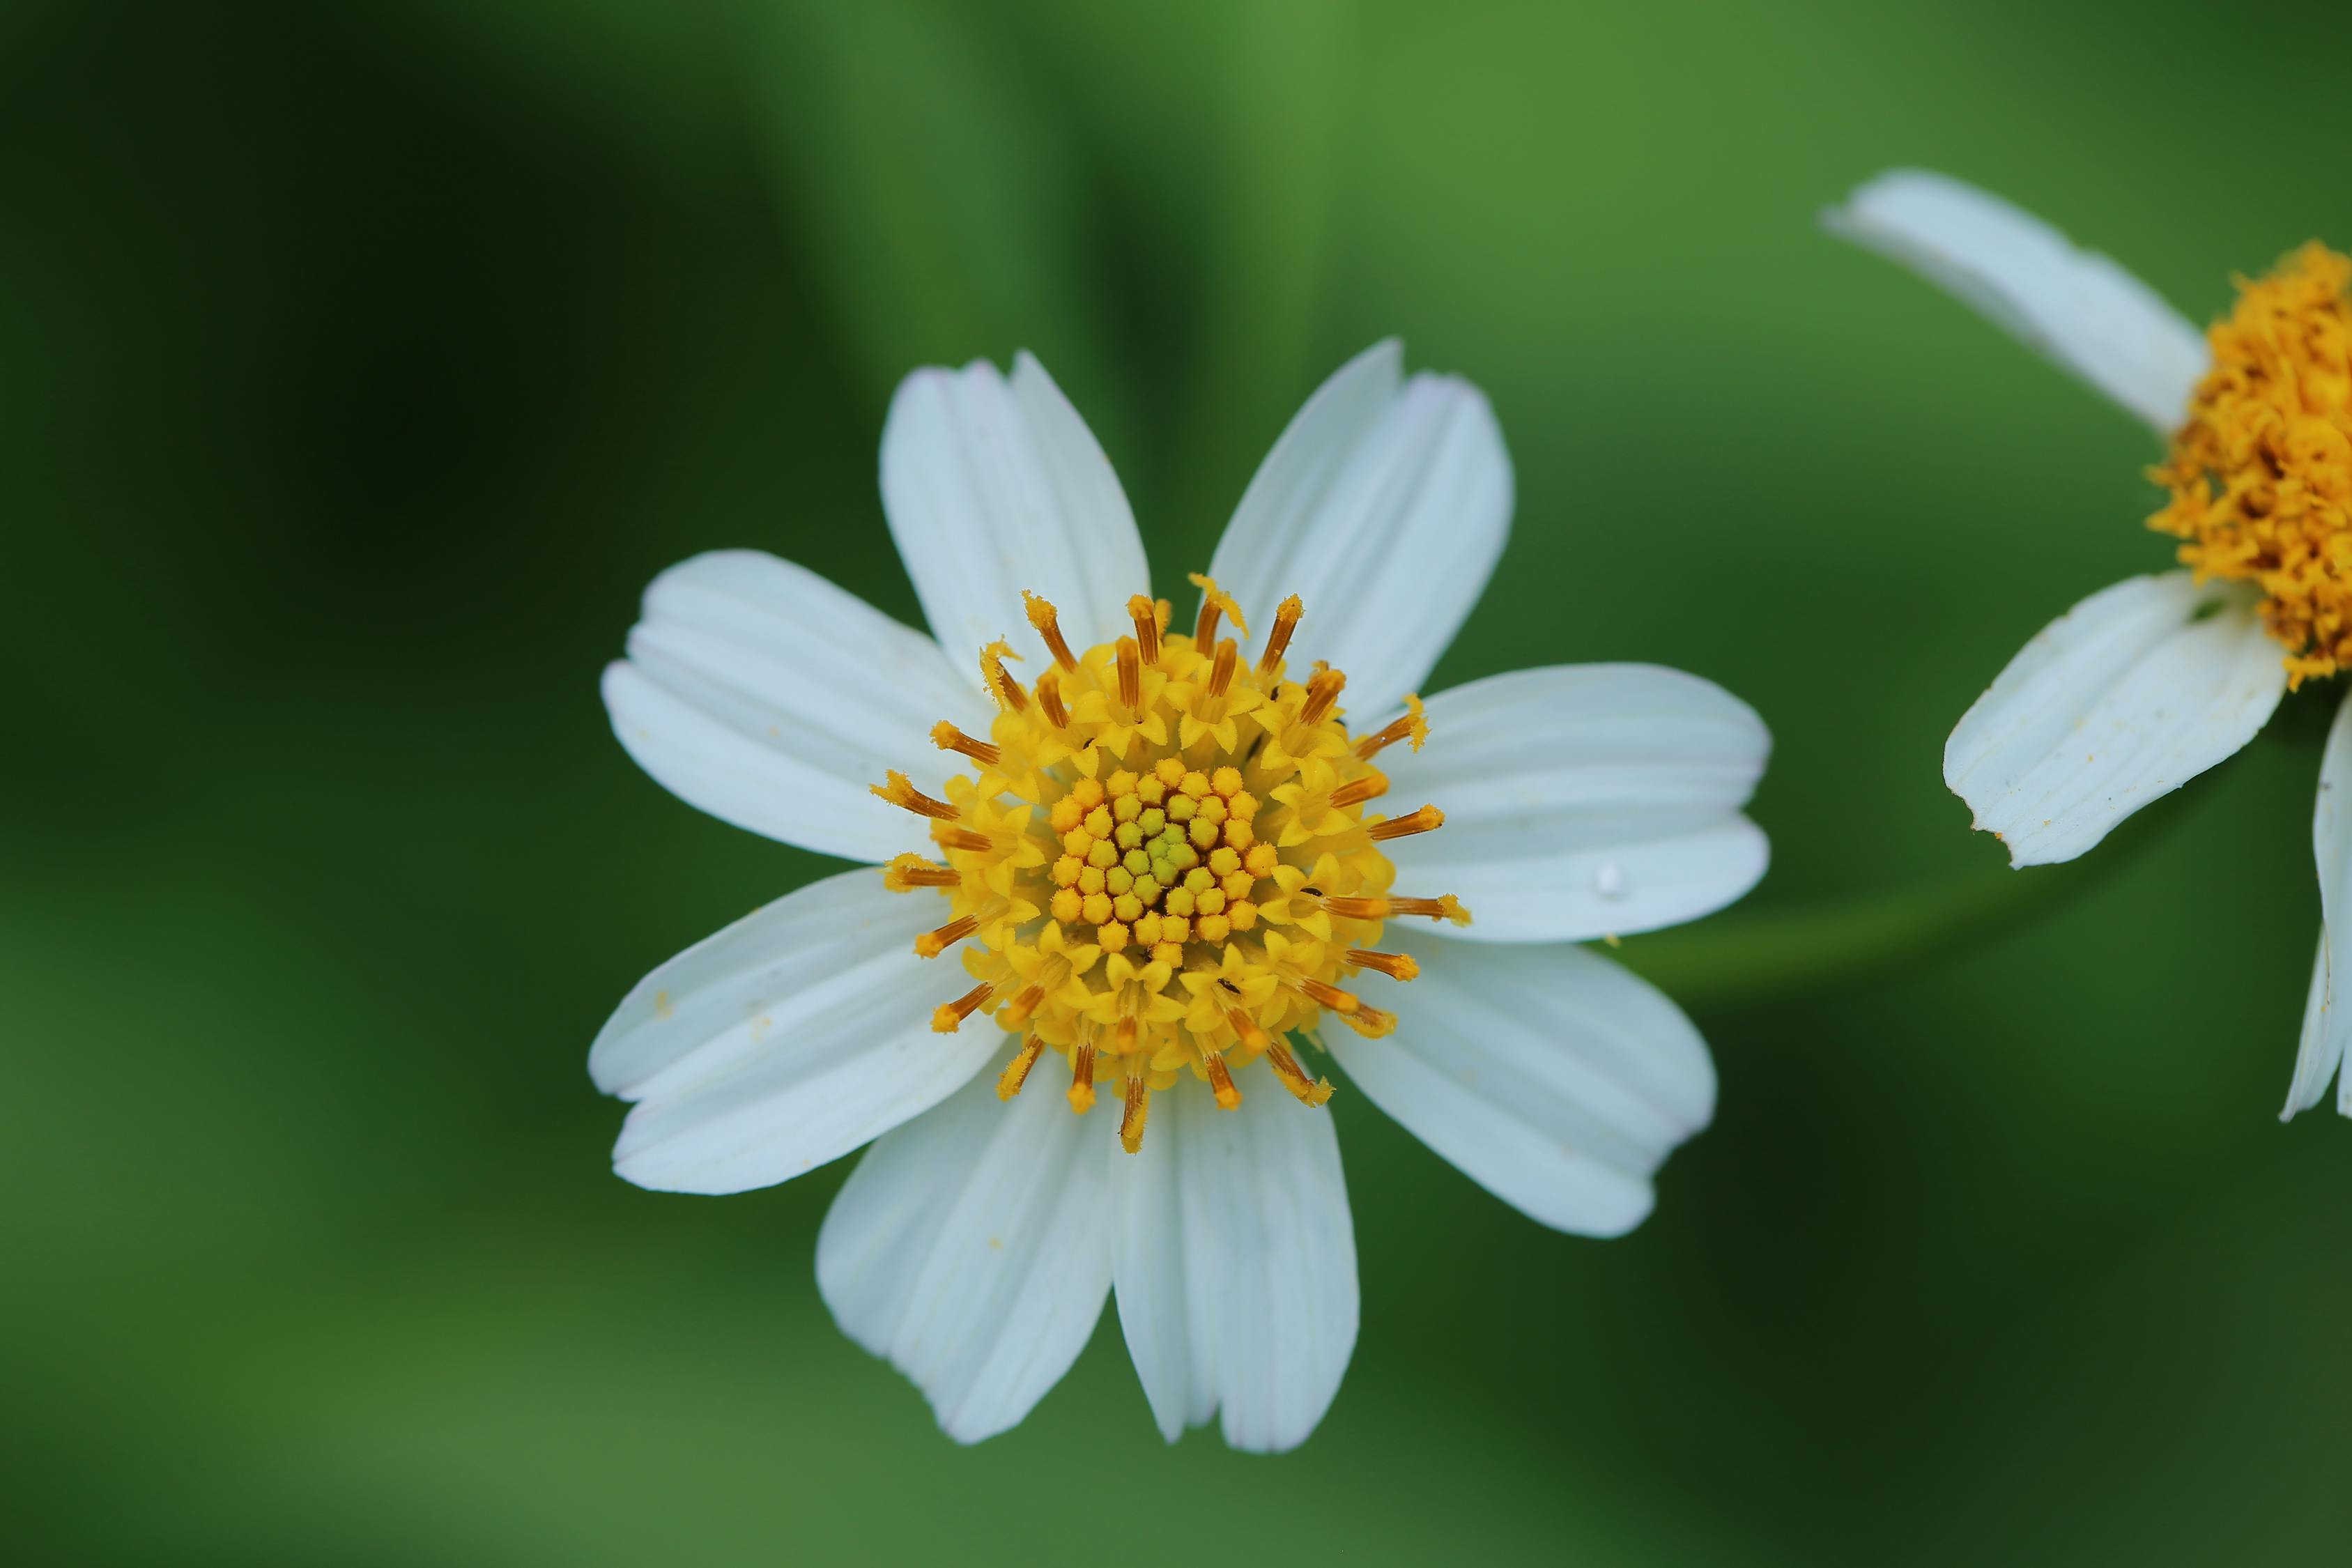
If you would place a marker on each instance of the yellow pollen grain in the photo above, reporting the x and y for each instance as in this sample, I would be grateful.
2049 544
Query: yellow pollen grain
2260 474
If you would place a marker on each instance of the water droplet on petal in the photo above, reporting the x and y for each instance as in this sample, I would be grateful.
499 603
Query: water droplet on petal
1609 882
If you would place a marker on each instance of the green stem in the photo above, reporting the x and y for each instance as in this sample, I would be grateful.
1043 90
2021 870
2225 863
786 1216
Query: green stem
1777 953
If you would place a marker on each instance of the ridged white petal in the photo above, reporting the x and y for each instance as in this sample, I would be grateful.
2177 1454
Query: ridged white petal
994 486
788 1039
1268 1266
1384 506
770 698
2328 1019
1552 1077
1147 1261
2125 697
971 1249
1582 801
2075 306
2319 1050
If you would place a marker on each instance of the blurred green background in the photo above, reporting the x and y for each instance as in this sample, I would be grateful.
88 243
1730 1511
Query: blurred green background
362 363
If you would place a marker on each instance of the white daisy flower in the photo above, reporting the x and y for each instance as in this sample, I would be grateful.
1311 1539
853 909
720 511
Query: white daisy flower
2145 685
1163 868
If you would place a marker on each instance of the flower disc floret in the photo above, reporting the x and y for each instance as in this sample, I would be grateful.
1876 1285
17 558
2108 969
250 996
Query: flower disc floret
2260 474
1161 864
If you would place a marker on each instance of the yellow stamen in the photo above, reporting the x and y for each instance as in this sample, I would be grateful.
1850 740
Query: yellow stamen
932 944
1018 1010
1428 819
949 837
1413 727
1372 1023
1357 791
1448 908
1082 1079
1221 673
1395 965
1146 616
1277 641
901 792
1049 700
1326 995
1138 1106
1130 676
907 872
2260 474
1016 1071
1214 601
949 1017
1007 690
1322 692
1220 1079
1048 622
948 738
1294 1078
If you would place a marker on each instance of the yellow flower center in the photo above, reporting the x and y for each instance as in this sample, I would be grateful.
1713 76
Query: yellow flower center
2261 474
1160 861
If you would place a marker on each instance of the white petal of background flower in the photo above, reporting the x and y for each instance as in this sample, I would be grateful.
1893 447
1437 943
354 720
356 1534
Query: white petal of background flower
1269 1266
2076 306
2318 1050
2327 1026
971 1249
992 487
1548 1075
770 698
788 1039
1582 801
1148 1253
2126 697
1385 509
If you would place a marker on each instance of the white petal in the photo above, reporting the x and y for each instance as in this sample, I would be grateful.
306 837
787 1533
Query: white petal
2125 697
1147 1268
1253 1308
1384 507
786 1040
971 1249
770 698
992 487
2320 1049
2075 306
1582 801
2327 1026
1548 1075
